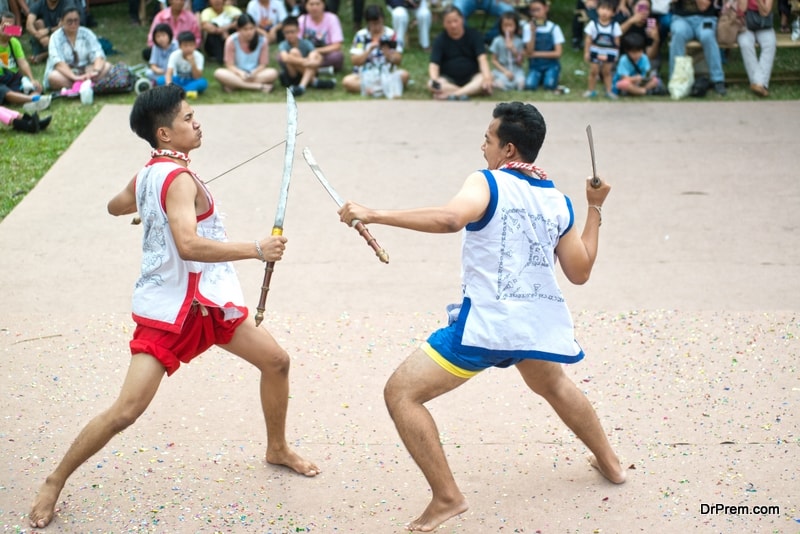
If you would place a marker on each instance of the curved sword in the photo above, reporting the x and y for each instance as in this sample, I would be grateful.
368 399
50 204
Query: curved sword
280 213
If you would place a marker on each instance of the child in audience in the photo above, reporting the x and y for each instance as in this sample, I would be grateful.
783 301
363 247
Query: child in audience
507 53
633 75
246 59
163 46
299 60
544 44
601 48
185 66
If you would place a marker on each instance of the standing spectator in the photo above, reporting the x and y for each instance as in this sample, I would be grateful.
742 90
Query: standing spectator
17 82
325 31
185 66
458 67
218 21
74 54
43 20
246 59
400 19
758 67
375 52
507 51
299 60
601 47
269 16
179 19
633 74
544 44
697 19
358 11
163 46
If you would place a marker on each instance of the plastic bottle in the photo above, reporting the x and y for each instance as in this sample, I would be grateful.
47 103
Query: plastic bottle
86 93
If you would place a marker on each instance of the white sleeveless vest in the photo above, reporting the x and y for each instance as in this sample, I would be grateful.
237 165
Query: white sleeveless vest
168 285
512 303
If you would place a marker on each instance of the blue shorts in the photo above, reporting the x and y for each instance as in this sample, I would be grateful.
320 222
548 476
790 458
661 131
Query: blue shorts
443 346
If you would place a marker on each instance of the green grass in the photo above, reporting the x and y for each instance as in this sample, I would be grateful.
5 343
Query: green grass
24 159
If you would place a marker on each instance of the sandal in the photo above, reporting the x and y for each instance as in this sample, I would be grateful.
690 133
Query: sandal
785 28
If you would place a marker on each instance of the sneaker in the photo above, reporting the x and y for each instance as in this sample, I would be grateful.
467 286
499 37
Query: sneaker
590 94
26 123
612 96
327 71
38 103
297 90
43 123
323 84
719 88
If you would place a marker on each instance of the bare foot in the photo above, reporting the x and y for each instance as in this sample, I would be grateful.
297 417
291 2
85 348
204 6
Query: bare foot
44 505
293 461
437 513
614 473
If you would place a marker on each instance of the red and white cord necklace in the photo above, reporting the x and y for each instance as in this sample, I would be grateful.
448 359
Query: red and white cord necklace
530 168
165 152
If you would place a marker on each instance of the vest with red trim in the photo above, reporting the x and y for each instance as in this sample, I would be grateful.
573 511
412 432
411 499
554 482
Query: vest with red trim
168 285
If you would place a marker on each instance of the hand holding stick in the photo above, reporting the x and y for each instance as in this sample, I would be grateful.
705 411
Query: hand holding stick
355 223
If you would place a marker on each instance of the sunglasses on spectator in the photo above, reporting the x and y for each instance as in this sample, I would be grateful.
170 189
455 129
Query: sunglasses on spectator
72 21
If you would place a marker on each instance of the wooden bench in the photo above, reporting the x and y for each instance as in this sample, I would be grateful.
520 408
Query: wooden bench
783 40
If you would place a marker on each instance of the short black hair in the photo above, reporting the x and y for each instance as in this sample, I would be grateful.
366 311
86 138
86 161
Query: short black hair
163 27
373 13
185 37
156 109
290 21
522 125
633 42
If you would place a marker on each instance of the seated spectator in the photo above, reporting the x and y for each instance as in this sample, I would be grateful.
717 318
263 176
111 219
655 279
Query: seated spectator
400 19
325 31
179 20
507 53
74 54
17 82
43 20
185 66
218 21
23 122
601 48
544 44
458 67
642 22
633 76
163 46
246 59
299 60
375 48
697 19
269 16
758 67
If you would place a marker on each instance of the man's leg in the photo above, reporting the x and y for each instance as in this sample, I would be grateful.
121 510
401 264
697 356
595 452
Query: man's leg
549 380
140 386
257 346
418 380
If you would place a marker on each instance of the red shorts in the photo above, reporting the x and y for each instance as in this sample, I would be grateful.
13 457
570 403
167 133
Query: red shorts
198 334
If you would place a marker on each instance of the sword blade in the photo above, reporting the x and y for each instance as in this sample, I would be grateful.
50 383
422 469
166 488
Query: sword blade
315 168
595 180
288 159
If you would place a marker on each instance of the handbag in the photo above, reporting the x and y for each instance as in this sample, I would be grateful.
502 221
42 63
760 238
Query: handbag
682 80
729 25
755 21
118 79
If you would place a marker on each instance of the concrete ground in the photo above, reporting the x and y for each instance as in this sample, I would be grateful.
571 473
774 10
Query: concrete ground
690 325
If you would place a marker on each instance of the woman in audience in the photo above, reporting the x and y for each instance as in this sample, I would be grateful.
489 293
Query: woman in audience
74 53
325 31
246 59
758 67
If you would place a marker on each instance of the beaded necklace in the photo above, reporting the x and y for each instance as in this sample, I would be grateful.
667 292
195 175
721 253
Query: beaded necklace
530 168
165 152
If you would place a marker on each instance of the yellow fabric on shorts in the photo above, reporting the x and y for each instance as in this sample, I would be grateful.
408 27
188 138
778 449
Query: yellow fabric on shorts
446 365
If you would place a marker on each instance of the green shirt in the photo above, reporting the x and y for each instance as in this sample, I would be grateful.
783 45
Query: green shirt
9 54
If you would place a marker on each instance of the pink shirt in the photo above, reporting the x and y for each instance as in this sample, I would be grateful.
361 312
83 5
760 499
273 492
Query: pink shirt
327 32
186 22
